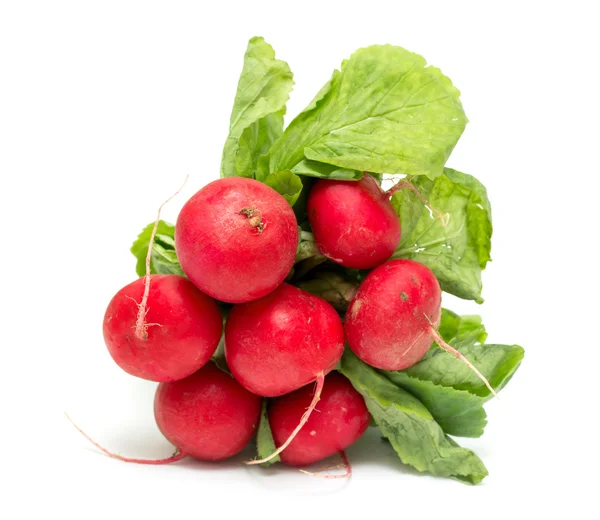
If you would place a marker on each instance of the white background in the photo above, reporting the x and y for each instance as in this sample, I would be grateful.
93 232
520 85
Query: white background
106 106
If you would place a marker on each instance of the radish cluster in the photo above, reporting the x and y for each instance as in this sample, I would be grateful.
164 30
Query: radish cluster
283 308
236 239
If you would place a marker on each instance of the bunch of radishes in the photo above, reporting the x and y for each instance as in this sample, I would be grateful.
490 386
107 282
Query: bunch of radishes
284 272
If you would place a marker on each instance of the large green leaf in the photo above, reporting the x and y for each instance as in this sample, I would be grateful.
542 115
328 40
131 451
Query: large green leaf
451 391
458 412
415 435
257 116
456 250
384 112
164 259
497 363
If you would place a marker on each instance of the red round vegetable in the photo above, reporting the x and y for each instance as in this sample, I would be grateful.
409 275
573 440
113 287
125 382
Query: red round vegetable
283 341
354 223
389 322
207 415
341 419
178 332
236 239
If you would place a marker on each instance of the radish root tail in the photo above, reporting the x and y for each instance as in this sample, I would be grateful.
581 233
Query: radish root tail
444 346
141 327
444 218
303 420
177 455
345 464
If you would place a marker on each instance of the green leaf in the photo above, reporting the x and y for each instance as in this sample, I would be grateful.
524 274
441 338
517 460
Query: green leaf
458 412
458 251
254 142
257 116
287 184
384 112
451 391
416 437
322 170
497 363
461 330
265 445
164 259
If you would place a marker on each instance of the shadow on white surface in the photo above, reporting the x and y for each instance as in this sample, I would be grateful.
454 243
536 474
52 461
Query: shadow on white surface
369 453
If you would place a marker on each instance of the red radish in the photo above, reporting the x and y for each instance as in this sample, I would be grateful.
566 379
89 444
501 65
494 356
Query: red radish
392 321
207 415
283 341
341 419
387 321
179 330
354 223
236 239
161 327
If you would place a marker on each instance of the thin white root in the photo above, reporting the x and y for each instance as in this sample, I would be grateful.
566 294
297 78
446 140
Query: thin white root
444 346
141 327
177 455
345 464
303 420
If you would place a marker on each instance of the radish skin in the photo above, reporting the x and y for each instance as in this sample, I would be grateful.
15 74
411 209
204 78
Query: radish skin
182 325
353 222
392 321
303 420
341 420
282 341
236 239
388 323
207 415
